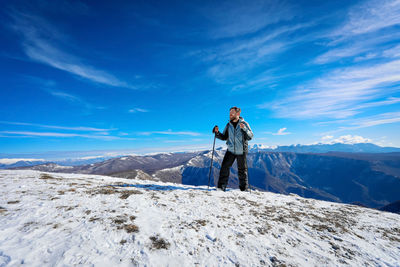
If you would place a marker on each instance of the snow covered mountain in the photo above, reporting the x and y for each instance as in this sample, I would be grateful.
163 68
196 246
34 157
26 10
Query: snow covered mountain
324 148
12 163
6 163
58 219
369 179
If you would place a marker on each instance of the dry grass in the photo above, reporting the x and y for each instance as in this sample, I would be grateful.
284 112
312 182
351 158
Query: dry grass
159 243
131 228
119 220
13 202
264 229
391 234
196 224
103 191
128 193
201 222
92 219
45 176
2 209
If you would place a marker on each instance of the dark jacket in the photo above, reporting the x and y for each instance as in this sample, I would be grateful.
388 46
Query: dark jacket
236 137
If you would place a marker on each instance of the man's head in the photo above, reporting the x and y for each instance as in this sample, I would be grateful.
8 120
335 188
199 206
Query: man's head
234 113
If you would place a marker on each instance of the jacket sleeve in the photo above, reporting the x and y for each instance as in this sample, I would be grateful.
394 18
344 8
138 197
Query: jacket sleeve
248 133
224 135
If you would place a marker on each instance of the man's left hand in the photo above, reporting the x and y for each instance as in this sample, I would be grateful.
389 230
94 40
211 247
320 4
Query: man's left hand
241 125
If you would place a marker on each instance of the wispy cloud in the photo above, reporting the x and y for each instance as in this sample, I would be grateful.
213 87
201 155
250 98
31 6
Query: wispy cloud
341 93
65 135
136 110
78 128
370 16
365 122
384 118
51 87
234 62
74 99
370 78
42 43
183 141
170 132
367 31
362 49
236 18
281 131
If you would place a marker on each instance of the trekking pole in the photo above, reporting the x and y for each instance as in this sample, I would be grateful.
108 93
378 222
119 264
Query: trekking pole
245 162
212 158
248 178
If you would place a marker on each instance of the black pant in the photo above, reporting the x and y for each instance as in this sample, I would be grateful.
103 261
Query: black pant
227 162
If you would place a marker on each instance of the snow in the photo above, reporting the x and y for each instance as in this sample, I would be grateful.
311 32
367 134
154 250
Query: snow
57 219
173 169
8 161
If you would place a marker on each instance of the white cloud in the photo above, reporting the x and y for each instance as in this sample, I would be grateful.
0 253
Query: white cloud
42 42
327 137
233 60
15 160
136 110
341 93
365 122
282 132
170 132
235 18
393 52
370 16
91 157
65 135
77 128
360 35
362 49
384 118
346 139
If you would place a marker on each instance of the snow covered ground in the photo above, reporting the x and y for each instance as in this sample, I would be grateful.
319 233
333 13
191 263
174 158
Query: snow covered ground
56 219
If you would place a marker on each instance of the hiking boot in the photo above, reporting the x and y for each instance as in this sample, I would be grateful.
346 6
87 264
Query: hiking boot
222 188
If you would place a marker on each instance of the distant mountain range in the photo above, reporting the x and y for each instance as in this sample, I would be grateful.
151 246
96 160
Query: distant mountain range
316 148
324 148
367 179
64 162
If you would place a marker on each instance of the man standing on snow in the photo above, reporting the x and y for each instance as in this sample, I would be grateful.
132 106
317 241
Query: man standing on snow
237 132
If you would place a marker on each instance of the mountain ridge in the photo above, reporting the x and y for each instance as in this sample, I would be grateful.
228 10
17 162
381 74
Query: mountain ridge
369 179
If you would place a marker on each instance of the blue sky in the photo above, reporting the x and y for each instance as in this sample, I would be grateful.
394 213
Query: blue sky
147 76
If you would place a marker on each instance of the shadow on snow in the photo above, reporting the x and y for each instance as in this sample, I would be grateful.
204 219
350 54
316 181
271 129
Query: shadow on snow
164 187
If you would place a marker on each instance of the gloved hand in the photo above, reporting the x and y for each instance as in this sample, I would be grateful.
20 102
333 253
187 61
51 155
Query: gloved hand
215 129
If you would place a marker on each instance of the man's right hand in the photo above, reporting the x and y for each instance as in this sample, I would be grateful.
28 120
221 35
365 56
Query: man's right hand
215 129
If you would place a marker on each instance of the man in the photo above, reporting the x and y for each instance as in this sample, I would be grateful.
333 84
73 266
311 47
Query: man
237 132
